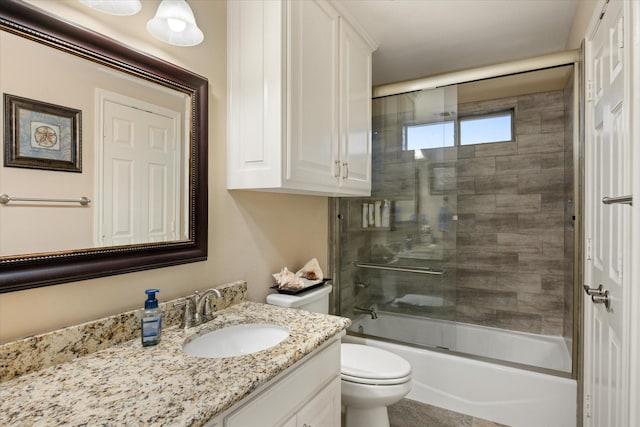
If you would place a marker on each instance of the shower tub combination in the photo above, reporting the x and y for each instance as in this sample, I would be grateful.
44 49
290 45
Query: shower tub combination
503 394
483 227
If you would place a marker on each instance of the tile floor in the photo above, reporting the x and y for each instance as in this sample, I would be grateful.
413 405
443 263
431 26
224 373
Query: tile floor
409 413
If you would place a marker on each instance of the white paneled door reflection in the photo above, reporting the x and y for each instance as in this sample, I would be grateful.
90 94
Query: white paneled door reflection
141 171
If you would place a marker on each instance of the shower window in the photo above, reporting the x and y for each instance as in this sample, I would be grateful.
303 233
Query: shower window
486 128
429 135
478 128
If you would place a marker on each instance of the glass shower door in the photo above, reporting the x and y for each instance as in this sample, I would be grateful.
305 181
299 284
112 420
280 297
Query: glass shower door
468 241
398 246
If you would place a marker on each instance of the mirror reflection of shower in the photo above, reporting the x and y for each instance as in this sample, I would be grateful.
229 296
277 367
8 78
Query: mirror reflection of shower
467 242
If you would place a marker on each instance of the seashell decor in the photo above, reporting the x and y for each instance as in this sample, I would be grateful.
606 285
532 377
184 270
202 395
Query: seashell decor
308 275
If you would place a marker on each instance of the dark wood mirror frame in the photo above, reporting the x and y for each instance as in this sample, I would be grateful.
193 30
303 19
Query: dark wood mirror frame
32 271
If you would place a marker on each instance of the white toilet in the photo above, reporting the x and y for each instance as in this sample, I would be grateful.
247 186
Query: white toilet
372 378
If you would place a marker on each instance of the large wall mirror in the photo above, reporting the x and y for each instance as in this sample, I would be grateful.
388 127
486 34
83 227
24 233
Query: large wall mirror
105 155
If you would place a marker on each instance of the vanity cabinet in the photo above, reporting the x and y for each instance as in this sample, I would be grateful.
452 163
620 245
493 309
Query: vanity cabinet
299 99
307 394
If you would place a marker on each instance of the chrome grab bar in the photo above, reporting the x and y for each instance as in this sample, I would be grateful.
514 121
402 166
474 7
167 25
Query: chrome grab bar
420 270
625 200
4 199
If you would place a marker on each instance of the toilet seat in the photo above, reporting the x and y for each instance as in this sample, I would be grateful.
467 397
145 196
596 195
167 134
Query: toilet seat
370 365
369 381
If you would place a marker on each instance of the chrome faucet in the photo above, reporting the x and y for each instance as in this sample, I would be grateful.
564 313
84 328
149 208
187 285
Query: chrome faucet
370 311
202 304
198 310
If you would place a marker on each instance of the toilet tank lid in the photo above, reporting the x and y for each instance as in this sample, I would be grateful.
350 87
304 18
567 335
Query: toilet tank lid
294 301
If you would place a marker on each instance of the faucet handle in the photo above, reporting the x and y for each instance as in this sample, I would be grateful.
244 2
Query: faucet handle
187 317
206 312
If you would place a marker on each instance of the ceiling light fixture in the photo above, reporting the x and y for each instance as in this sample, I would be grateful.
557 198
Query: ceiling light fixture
175 24
115 7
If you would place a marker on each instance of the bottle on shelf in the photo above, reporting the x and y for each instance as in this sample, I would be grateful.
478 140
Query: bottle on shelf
365 215
385 213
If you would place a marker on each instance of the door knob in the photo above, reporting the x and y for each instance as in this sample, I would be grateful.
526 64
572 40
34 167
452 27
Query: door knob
602 299
599 291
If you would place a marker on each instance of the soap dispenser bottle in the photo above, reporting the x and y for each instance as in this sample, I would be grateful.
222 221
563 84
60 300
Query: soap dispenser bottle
151 323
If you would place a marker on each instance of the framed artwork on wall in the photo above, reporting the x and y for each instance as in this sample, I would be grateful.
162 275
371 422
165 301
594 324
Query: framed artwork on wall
39 135
442 178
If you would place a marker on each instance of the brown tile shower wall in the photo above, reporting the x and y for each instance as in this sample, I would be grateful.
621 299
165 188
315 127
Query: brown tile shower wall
508 259
510 238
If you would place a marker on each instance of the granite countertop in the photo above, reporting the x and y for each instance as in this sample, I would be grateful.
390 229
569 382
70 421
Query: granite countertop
128 384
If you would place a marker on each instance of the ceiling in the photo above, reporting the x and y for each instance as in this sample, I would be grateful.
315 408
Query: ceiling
419 38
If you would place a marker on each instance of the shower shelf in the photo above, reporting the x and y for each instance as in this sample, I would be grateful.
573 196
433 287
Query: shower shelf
406 269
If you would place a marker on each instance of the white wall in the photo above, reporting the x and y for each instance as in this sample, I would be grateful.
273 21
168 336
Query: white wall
584 12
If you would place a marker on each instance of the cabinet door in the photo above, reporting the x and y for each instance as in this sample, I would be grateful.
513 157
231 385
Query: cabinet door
355 126
312 121
324 409
255 94
276 405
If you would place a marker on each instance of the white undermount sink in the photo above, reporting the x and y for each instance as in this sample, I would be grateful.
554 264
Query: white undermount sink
236 340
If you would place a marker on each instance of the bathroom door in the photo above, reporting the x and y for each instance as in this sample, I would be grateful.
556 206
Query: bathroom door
607 227
140 200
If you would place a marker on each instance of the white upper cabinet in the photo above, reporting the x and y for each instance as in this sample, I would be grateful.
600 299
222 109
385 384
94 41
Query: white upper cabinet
355 111
299 100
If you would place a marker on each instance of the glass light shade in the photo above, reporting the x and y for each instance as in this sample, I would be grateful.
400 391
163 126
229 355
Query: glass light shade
115 7
175 24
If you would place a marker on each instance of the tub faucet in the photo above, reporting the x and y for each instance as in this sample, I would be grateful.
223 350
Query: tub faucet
370 311
202 303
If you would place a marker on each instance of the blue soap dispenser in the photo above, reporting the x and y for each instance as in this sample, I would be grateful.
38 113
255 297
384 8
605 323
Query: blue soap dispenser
151 323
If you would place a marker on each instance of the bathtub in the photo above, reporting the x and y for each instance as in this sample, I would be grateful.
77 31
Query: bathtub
503 394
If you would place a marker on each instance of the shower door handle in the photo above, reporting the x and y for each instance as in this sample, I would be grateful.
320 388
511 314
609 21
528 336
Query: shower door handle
599 291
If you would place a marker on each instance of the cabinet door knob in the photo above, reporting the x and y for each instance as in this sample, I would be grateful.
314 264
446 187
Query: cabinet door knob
345 169
336 173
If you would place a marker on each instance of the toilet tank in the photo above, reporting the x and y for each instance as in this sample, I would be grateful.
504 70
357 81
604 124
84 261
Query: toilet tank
316 300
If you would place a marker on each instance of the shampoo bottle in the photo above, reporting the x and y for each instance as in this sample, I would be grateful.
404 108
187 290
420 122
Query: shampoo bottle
151 319
385 213
377 214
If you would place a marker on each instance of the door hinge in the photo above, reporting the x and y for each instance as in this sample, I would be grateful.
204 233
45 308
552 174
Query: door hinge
588 249
587 405
589 90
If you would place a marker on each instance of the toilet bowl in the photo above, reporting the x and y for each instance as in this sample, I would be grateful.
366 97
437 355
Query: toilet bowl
371 378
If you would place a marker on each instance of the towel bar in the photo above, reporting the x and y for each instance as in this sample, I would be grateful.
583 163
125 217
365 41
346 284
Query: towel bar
420 270
4 199
625 200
